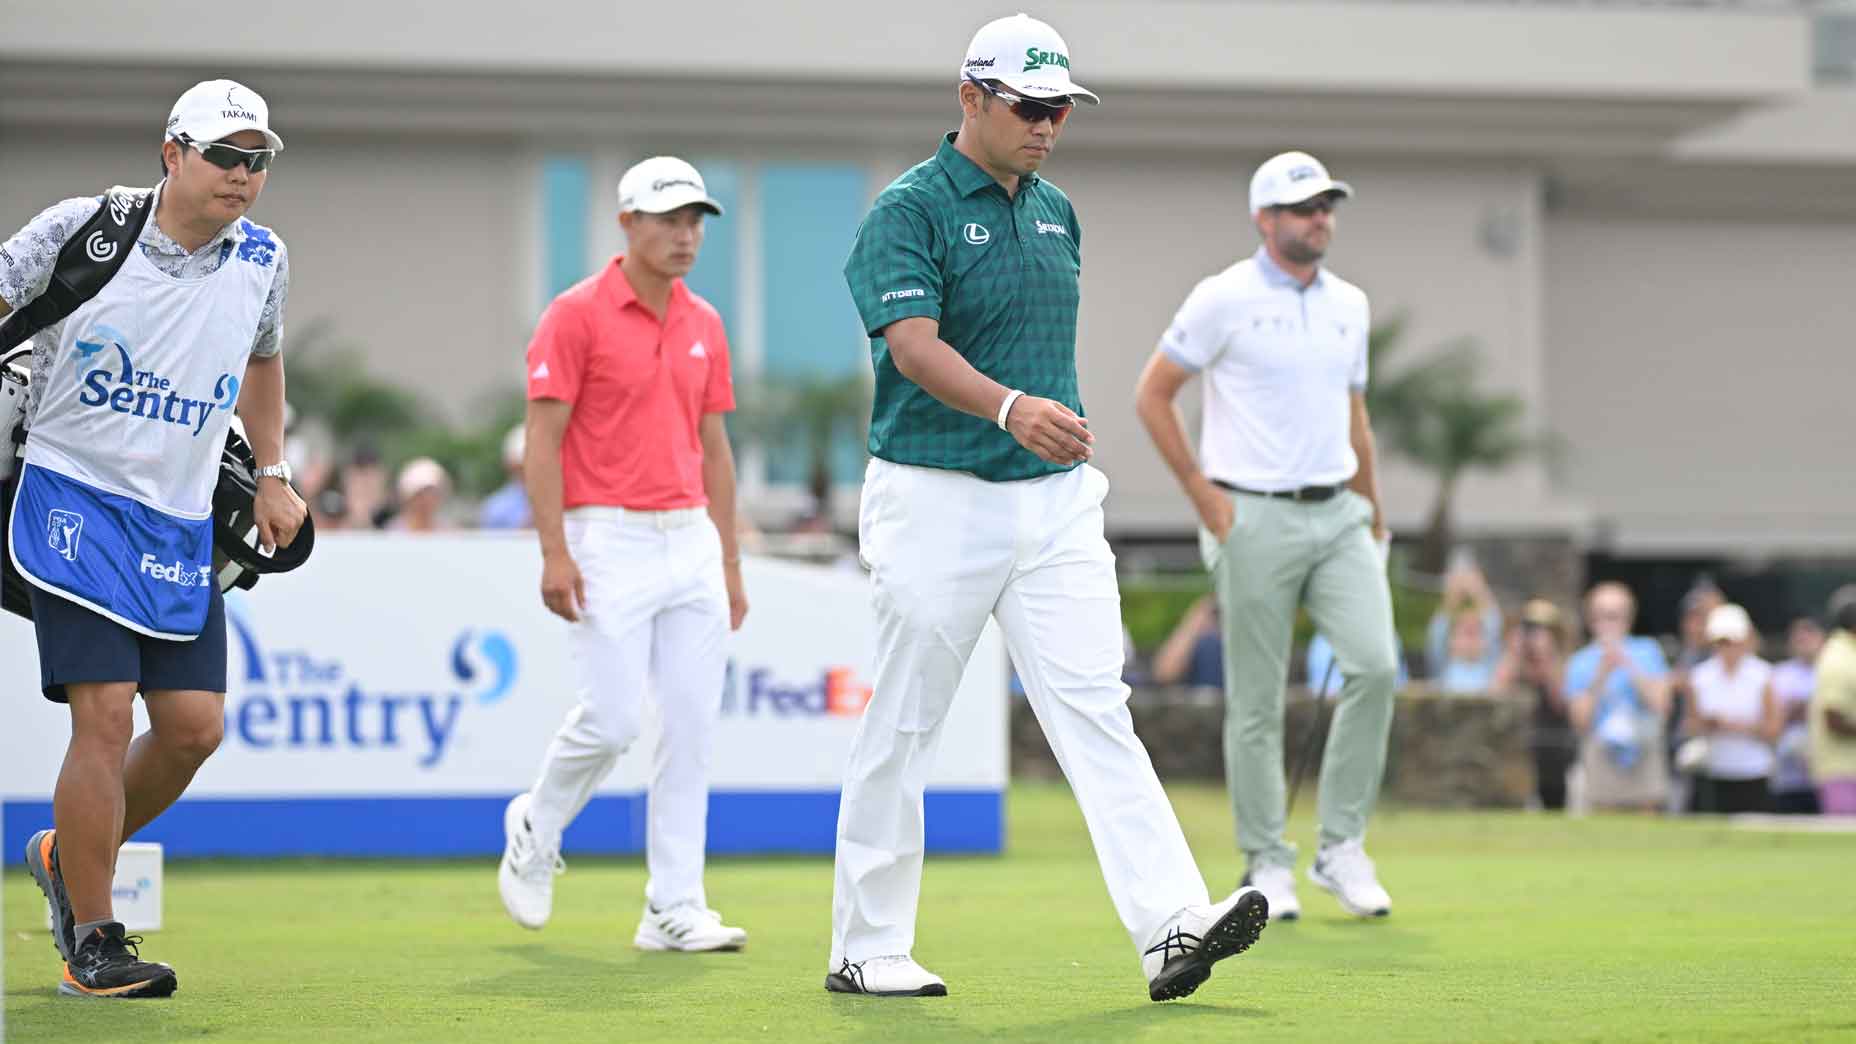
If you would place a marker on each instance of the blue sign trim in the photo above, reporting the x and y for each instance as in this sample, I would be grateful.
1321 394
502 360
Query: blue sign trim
743 822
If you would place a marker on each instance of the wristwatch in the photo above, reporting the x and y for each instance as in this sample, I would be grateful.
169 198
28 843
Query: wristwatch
280 470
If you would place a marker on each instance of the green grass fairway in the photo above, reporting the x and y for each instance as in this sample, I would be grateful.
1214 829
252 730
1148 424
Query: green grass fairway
1507 927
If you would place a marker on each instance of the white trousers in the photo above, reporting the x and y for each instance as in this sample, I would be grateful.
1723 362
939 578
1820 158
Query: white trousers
946 551
656 620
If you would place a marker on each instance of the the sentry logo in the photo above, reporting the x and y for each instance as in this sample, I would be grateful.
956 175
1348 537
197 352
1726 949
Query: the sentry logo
178 573
835 692
900 295
115 383
294 700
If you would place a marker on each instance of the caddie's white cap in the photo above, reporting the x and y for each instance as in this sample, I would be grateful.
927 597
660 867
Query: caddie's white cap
1291 178
661 184
1729 623
1027 56
213 109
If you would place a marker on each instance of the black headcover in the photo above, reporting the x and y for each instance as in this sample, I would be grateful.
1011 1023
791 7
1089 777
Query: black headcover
237 559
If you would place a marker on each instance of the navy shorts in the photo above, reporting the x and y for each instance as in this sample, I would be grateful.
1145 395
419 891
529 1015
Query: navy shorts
78 645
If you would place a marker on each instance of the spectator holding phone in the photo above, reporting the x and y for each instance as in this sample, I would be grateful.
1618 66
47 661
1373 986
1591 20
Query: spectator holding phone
1534 661
1735 712
1619 693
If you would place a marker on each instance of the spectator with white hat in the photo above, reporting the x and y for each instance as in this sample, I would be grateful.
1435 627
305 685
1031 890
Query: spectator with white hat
423 487
508 508
1732 721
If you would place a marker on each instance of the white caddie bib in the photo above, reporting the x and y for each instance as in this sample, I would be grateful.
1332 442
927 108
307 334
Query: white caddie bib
114 504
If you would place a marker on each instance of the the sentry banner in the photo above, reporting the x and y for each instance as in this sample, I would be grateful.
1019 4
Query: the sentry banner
390 696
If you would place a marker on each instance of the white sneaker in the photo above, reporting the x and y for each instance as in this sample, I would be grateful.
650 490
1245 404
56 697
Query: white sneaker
686 927
1277 883
1184 951
894 976
526 876
1345 871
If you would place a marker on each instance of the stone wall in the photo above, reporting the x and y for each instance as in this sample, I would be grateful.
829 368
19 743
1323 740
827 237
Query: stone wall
1445 751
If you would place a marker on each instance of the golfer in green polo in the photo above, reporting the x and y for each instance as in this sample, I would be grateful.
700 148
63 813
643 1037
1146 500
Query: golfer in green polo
979 503
1288 502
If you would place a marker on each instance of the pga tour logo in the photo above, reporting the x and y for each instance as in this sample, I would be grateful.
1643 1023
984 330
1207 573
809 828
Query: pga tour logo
61 532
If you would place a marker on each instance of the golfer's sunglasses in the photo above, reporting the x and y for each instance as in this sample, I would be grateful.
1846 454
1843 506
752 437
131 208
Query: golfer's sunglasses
1028 109
225 157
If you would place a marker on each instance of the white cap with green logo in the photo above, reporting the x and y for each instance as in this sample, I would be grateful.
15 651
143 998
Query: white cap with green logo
1025 55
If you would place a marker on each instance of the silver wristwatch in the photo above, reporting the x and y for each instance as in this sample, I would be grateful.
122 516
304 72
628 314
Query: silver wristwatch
279 470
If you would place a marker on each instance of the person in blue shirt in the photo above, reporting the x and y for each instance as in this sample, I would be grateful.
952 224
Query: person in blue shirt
1194 653
1618 695
1464 640
507 508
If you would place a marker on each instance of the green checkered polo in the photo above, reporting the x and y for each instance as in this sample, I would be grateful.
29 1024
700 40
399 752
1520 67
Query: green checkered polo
999 273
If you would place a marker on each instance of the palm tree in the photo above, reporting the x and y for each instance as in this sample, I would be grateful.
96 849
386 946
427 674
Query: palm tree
1433 413
810 418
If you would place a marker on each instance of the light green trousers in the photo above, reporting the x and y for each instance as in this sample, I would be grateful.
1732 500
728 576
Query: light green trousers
1320 555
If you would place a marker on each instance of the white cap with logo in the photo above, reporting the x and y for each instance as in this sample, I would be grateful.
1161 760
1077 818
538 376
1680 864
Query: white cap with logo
661 184
215 109
1290 178
1729 623
1025 55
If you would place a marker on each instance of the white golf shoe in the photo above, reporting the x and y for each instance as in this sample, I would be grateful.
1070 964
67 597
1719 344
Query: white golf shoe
894 976
687 927
1277 883
1183 952
1346 872
526 876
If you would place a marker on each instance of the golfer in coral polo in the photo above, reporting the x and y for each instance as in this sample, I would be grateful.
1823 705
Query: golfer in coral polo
632 483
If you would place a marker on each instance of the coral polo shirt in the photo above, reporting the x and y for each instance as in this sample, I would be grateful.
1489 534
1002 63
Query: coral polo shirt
639 388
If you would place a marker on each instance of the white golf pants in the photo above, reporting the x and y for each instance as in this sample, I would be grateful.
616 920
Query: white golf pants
656 619
946 551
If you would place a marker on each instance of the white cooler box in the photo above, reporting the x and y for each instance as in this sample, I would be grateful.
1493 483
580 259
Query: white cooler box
136 892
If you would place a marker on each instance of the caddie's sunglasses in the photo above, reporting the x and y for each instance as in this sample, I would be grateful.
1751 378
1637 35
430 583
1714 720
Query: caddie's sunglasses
1309 208
1030 110
225 157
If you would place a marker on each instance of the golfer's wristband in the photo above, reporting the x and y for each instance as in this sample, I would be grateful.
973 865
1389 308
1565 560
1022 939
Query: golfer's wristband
1005 408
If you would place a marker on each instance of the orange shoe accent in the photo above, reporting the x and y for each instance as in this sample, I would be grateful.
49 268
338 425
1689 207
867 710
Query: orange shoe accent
74 987
45 848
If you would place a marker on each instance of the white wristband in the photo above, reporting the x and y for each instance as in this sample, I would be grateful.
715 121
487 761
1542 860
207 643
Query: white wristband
1005 408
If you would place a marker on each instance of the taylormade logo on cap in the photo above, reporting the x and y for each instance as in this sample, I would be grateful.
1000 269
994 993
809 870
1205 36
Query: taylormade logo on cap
662 184
1026 55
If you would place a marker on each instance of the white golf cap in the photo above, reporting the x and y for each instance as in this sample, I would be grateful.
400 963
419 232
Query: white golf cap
1291 178
214 109
1729 623
661 184
420 474
514 445
1027 56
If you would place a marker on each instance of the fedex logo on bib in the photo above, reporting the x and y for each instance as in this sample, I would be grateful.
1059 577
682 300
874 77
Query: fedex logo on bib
177 572
115 384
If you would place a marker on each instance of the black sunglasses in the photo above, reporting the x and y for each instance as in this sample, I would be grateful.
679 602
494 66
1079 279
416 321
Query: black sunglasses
1030 110
1310 207
225 157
